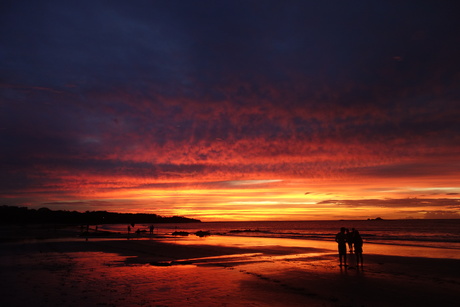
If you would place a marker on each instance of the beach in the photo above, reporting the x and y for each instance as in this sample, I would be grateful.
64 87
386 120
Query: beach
55 267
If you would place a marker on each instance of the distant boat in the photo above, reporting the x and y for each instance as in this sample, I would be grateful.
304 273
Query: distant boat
376 219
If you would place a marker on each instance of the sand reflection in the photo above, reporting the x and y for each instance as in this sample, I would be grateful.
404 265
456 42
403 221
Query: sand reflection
255 242
312 247
104 278
220 271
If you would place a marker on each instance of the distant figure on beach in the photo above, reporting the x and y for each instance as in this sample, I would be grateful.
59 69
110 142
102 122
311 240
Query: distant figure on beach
151 229
129 229
358 243
341 239
350 235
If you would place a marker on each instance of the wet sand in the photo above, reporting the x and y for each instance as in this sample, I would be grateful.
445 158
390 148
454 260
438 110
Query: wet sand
64 271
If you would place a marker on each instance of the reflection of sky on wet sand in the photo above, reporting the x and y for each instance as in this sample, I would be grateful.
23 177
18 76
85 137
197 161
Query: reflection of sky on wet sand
254 242
96 275
277 275
302 248
97 278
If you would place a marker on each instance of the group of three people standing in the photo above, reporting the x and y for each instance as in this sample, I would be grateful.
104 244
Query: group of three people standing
354 240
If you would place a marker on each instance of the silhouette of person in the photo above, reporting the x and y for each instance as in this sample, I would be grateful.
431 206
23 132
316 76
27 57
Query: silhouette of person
350 239
341 239
358 243
151 229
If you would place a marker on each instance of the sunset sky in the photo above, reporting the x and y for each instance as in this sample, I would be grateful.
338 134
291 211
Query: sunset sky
232 110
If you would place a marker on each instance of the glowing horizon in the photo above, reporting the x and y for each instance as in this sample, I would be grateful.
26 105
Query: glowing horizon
269 200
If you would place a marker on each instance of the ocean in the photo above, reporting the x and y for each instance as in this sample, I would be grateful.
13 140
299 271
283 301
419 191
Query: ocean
438 238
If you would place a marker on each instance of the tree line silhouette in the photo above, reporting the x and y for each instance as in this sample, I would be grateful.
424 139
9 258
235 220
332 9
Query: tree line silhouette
15 215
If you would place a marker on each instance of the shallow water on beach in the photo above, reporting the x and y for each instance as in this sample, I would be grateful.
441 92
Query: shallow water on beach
434 238
327 246
104 279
